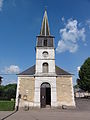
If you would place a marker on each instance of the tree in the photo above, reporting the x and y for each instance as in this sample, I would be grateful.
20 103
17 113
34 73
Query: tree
76 86
0 80
7 92
84 76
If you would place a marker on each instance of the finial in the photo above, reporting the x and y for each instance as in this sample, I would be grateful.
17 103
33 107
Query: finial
45 8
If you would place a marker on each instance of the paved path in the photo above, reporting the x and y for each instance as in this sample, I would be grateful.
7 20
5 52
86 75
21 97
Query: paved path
81 113
48 114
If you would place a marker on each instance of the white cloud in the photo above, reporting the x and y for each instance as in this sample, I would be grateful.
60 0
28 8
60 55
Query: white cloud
9 80
88 23
85 44
12 69
63 19
70 35
1 4
78 68
13 2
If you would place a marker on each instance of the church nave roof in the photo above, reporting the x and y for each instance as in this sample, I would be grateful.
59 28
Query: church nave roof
31 71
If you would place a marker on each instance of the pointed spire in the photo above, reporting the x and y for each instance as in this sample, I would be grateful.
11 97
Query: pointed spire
45 25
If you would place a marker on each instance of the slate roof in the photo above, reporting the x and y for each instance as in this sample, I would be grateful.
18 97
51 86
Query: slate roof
31 71
60 71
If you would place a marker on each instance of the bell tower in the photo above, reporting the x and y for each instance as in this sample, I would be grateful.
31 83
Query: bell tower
45 67
45 53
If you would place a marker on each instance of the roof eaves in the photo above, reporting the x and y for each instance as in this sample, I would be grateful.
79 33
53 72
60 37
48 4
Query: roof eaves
26 75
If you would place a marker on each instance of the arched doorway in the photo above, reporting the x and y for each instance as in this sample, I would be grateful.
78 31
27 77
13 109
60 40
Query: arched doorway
45 95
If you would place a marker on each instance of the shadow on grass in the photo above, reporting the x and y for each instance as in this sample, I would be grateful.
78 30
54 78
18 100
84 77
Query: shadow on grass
9 115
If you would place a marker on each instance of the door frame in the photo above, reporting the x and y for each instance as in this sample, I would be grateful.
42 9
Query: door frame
43 98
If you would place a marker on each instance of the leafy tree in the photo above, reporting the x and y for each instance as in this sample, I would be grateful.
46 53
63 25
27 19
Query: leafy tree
7 92
1 90
10 91
84 76
0 80
76 86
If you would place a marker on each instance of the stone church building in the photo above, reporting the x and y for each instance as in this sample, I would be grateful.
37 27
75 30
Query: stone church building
45 84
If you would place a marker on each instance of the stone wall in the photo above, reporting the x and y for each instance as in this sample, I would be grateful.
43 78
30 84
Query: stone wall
29 88
26 89
65 95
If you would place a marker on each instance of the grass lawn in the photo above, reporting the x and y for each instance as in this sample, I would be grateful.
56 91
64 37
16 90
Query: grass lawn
7 105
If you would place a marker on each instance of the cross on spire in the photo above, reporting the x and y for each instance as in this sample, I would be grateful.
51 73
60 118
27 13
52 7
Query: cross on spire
45 25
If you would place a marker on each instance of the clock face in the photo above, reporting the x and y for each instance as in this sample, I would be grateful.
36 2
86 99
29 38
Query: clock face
45 53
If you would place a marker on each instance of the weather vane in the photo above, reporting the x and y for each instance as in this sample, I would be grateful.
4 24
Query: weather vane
46 8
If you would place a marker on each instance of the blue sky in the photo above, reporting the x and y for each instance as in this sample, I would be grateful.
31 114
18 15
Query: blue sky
20 23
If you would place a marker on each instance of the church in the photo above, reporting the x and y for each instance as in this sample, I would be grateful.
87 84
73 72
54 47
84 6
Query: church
45 84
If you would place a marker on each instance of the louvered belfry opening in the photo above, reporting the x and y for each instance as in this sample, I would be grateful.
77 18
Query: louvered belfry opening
45 42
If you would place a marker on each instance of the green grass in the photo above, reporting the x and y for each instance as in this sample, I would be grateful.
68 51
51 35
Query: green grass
7 105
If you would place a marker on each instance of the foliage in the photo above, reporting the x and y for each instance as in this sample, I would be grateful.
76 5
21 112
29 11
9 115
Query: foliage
76 86
0 80
84 76
7 92
7 105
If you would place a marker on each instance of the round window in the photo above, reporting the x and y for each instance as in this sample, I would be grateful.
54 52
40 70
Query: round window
45 53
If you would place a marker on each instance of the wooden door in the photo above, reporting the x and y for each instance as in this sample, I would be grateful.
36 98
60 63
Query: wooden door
43 97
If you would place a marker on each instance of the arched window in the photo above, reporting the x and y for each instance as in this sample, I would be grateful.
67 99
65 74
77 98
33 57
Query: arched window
45 67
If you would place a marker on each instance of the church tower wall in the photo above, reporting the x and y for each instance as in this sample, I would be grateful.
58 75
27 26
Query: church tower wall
45 55
41 58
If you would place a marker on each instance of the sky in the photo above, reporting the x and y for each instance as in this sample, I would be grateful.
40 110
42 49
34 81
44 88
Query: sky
20 23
